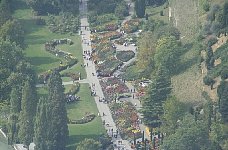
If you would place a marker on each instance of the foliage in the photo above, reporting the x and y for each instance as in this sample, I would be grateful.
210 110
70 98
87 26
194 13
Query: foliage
125 55
121 10
223 100
5 13
167 53
174 111
65 23
189 135
88 144
157 92
83 120
26 118
140 7
103 6
131 26
12 30
74 89
146 51
41 127
56 115
155 2
43 7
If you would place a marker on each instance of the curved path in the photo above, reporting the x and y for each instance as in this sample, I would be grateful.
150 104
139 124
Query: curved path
102 107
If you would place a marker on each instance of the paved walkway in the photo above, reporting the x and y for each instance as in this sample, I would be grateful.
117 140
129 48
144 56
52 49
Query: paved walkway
92 79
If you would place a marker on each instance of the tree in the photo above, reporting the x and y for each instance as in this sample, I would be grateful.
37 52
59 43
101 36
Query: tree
5 13
41 125
26 119
167 53
140 8
89 144
121 10
57 114
12 30
146 51
157 93
189 135
174 111
223 100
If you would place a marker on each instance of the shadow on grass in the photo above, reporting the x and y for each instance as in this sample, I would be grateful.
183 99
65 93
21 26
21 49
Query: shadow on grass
42 60
19 4
35 39
73 139
29 25
183 66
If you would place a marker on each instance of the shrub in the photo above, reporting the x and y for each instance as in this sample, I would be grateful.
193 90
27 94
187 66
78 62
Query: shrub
125 55
224 74
83 120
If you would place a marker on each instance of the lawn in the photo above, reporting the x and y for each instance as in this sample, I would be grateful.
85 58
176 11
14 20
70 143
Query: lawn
3 144
35 38
77 110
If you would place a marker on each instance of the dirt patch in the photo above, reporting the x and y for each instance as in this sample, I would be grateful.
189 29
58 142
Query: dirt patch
217 61
221 40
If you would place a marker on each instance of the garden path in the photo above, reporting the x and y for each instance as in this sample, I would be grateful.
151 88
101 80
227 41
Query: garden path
92 79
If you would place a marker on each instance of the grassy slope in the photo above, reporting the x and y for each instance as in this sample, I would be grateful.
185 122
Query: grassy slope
37 35
3 144
76 111
187 85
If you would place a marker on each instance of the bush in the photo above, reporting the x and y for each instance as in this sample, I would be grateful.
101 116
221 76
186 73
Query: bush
83 120
224 74
207 80
125 55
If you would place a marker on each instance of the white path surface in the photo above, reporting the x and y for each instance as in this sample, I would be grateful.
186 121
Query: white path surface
102 108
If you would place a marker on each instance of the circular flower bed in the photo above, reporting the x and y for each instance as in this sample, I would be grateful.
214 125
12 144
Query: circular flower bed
125 55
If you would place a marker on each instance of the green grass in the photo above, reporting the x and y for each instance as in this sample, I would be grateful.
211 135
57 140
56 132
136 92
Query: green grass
35 38
154 13
77 110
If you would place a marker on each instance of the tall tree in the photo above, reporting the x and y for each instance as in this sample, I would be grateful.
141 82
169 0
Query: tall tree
190 135
26 118
5 13
12 30
57 114
41 125
157 93
223 100
140 8
146 51
167 53
174 111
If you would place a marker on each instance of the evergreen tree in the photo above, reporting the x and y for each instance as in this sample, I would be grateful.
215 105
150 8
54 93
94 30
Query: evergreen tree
26 118
57 114
157 93
223 100
15 108
5 13
41 127
140 8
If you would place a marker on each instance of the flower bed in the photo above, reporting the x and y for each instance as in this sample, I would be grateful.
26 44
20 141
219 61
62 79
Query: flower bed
111 26
131 26
50 46
112 87
83 120
107 67
126 119
111 35
125 55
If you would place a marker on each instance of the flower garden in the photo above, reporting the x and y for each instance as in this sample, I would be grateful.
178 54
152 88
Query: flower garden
112 88
131 26
127 120
70 60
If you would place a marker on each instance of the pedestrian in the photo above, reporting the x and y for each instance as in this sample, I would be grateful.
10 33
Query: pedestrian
131 90
133 96
87 64
103 114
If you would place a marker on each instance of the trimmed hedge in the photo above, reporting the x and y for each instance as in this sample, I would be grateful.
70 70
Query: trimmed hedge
125 55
